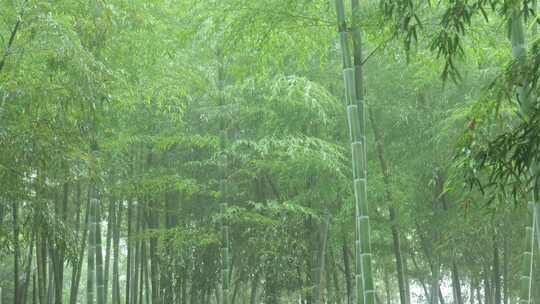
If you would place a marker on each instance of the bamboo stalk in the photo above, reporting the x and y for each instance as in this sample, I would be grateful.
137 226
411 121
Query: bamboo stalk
365 292
527 267
519 52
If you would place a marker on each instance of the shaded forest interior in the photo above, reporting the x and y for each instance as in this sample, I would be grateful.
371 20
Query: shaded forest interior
269 152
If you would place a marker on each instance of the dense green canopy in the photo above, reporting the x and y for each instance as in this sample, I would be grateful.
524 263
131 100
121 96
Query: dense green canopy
269 151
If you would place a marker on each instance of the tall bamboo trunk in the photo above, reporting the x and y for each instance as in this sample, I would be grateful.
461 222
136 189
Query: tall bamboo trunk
519 52
365 292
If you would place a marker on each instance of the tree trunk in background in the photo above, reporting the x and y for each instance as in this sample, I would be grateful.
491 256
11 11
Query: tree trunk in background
147 287
136 263
129 250
403 297
420 279
100 287
322 257
456 284
335 277
319 256
487 287
91 255
387 286
153 222
479 293
116 256
111 221
435 284
60 250
41 262
16 254
471 291
347 267
28 271
310 294
406 276
51 273
506 259
77 267
441 297
34 291
184 286
142 258
496 271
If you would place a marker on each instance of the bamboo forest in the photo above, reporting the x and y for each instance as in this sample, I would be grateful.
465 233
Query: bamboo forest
270 152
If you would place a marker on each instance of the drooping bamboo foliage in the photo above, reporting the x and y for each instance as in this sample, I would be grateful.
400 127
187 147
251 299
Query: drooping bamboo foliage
365 292
263 173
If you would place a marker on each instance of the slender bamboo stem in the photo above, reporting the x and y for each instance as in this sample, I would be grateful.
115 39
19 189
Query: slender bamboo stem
365 292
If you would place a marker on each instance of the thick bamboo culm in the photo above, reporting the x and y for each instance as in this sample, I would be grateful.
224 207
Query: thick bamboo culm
364 290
